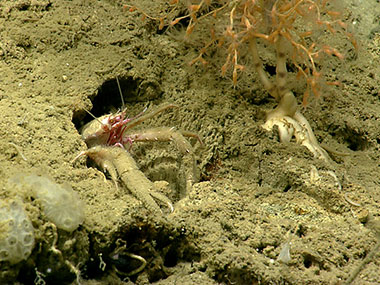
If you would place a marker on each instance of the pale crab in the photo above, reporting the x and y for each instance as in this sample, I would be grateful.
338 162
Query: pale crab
109 141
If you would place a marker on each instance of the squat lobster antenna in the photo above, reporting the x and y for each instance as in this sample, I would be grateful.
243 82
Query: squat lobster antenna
78 156
123 103
92 115
121 93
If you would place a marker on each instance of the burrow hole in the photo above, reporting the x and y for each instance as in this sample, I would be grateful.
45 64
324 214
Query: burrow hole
107 99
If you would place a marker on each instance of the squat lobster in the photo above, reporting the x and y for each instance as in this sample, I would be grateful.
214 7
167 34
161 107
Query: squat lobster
107 137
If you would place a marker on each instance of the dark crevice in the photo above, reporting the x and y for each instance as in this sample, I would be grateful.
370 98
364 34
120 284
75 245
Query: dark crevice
308 261
107 98
354 140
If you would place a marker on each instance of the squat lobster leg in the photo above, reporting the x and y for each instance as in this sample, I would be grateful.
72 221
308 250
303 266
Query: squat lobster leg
164 134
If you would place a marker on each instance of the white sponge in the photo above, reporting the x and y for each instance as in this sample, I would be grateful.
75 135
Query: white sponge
61 204
16 232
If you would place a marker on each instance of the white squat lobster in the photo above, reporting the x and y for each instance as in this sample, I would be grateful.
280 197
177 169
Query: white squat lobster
107 138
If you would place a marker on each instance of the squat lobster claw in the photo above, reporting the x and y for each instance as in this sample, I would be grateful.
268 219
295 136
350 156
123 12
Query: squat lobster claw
120 164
